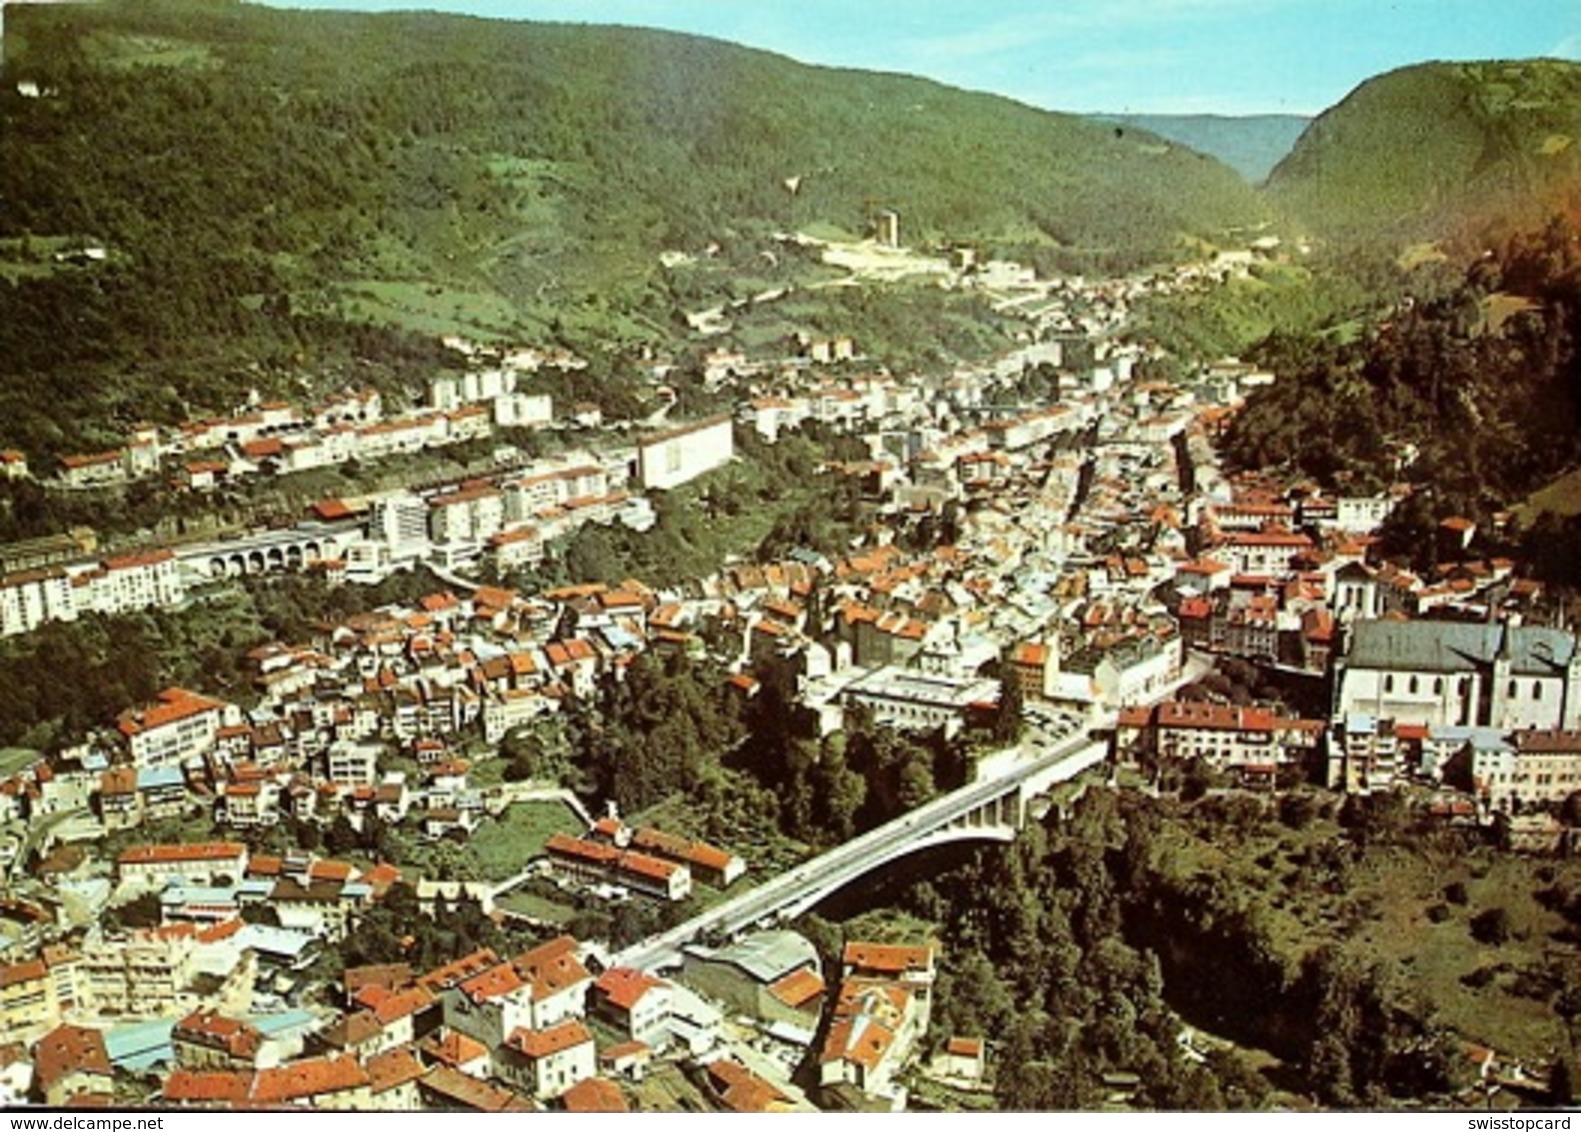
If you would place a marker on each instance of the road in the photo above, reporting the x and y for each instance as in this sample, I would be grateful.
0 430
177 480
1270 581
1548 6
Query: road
852 859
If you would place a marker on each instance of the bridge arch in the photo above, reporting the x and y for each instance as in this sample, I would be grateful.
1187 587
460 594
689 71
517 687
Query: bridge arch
949 835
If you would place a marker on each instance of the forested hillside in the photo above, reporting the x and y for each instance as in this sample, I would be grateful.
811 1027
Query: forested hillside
270 184
1439 149
1472 386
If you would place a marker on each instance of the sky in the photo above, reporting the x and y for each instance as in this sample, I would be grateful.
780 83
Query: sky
1087 56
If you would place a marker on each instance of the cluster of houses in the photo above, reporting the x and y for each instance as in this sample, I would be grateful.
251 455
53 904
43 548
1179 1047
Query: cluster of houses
351 424
550 1027
1078 553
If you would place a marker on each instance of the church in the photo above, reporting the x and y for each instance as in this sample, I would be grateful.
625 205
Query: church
1455 674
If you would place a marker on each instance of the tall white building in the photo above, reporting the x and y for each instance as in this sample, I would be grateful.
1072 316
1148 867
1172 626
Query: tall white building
669 459
400 522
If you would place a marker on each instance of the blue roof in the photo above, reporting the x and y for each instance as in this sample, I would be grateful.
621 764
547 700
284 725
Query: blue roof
270 1025
140 1045
273 940
618 638
199 894
156 777
1360 723
1482 738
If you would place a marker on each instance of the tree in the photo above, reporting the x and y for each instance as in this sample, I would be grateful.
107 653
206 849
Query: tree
1492 926
143 911
342 838
1561 1081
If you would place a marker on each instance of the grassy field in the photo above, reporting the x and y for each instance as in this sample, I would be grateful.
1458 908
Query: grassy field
13 759
429 308
502 847
538 907
125 52
1562 497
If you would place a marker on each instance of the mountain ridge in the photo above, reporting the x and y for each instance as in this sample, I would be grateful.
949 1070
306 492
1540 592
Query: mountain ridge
1251 144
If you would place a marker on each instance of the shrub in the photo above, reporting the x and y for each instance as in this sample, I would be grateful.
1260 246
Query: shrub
1491 926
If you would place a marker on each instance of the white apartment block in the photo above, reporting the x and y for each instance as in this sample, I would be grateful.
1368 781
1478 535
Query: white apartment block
668 459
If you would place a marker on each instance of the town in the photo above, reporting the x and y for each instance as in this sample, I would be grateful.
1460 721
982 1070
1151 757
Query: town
176 878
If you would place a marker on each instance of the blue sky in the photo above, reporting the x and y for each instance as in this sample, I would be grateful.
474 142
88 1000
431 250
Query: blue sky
1162 56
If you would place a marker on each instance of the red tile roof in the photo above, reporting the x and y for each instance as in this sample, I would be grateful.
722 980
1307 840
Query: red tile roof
798 988
556 1039
30 971
226 1087
453 1049
174 705
214 1031
623 987
392 1068
70 1049
594 1094
551 967
168 854
888 957
303 1080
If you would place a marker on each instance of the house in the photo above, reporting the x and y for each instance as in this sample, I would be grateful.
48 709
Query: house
326 908
596 863
910 965
534 991
28 1000
167 971
545 1063
964 1059
707 864
627 1059
670 458
1224 736
208 1040
336 1083
201 862
71 1061
449 1089
636 1002
1531 770
392 1080
740 1090
875 1027
457 1051
179 726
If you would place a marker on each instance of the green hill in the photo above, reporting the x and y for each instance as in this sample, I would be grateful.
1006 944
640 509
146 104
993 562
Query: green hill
1439 148
273 187
1251 144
